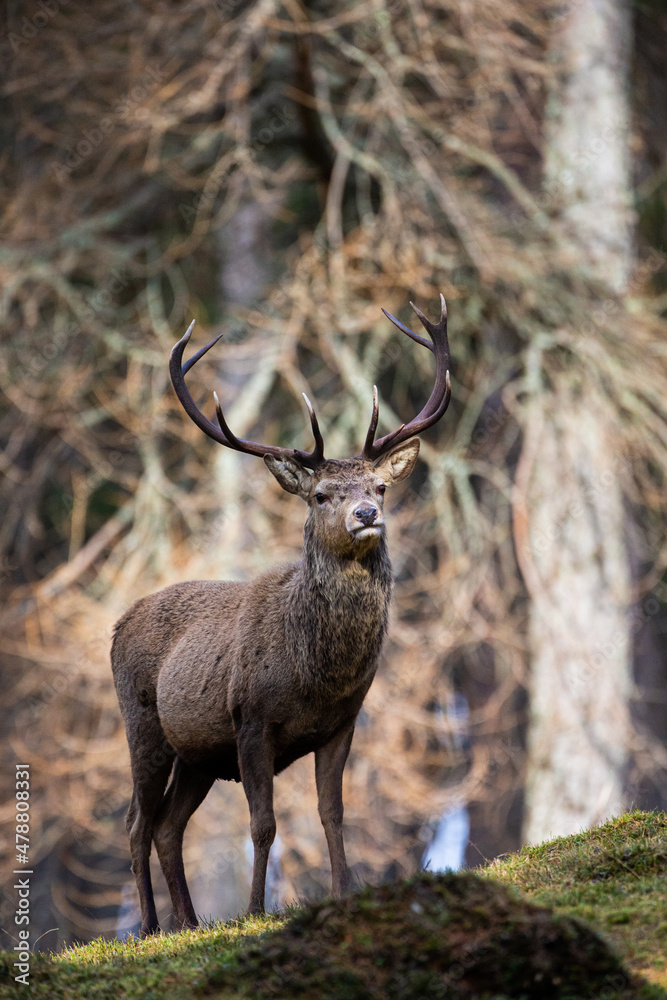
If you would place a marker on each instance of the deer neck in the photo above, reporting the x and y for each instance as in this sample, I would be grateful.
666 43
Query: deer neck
338 617
328 569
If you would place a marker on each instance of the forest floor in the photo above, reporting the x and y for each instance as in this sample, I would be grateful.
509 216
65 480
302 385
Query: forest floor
576 917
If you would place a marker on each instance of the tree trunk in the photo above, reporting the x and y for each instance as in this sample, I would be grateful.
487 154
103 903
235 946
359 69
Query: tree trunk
569 511
587 157
576 568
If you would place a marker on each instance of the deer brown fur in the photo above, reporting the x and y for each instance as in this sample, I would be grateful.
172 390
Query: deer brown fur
238 680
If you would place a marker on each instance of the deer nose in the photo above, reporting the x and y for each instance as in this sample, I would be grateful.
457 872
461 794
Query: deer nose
366 515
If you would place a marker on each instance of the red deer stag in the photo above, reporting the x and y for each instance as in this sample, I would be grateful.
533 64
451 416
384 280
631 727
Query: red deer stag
238 680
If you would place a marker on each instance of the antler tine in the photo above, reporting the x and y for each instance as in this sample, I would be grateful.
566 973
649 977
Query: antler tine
232 439
177 373
222 434
200 353
372 427
434 329
441 393
318 451
407 331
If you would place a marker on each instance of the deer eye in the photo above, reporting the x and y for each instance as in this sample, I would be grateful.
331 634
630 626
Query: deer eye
321 497
381 489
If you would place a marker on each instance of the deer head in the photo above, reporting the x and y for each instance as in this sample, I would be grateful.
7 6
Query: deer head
344 496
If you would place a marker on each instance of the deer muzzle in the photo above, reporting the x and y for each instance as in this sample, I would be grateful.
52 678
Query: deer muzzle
365 521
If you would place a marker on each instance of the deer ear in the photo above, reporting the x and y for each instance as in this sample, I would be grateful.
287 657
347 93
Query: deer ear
290 474
399 463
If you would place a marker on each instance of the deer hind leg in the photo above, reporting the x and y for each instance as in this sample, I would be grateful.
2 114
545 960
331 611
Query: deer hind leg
149 786
256 760
329 765
187 790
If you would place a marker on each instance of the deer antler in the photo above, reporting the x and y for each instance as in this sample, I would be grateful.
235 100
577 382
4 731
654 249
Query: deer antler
222 434
440 396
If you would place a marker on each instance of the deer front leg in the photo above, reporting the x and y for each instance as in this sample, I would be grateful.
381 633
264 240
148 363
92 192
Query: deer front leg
329 764
256 757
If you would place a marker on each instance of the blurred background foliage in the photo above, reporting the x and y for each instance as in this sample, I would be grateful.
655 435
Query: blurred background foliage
280 171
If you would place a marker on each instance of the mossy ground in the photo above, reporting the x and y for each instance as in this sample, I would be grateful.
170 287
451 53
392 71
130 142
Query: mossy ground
613 876
455 936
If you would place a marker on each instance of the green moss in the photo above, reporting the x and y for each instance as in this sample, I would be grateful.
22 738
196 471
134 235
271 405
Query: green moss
161 966
516 929
613 876
493 943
